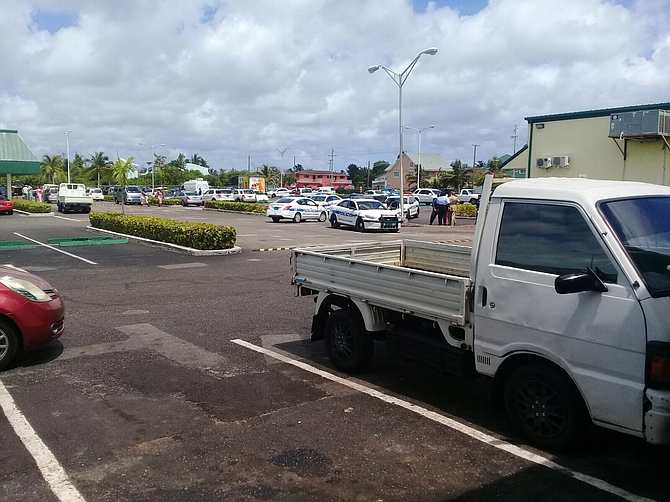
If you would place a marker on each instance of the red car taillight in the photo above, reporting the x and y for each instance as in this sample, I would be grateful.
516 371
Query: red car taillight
658 365
287 207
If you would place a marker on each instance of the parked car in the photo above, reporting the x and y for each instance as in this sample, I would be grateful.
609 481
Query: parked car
128 195
411 206
296 209
173 193
364 214
72 197
51 196
325 201
222 194
95 193
244 195
6 206
188 198
31 313
468 195
279 192
426 195
261 197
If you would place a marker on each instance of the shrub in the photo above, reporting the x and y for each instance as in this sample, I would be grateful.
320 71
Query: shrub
247 207
31 206
109 197
183 233
153 201
466 210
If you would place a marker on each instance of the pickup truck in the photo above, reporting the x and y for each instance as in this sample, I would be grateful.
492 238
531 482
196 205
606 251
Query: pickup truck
562 300
468 196
72 197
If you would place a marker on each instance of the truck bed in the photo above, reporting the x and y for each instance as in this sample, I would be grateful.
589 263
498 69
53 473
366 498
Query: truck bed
420 278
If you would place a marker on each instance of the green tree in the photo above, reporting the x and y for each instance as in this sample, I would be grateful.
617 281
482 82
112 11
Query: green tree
51 168
297 167
459 175
494 167
180 161
119 173
198 160
98 164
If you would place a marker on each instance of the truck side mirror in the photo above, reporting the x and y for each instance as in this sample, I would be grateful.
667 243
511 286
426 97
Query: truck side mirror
579 282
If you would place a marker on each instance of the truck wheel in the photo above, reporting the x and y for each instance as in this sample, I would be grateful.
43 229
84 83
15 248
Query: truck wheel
545 407
275 219
473 201
297 218
322 217
116 201
349 346
9 344
64 209
360 226
333 222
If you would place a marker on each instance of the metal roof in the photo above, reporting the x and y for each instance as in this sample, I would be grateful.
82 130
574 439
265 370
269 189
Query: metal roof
429 162
596 113
15 156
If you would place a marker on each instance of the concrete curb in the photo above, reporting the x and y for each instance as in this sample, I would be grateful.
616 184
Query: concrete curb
233 212
26 213
170 247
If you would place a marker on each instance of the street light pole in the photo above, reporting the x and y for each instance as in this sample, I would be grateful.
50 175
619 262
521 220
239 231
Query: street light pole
67 149
418 169
400 79
281 166
153 165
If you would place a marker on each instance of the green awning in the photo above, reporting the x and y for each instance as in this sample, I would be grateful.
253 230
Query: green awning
15 156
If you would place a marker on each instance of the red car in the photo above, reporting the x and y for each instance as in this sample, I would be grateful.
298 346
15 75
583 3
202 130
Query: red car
6 207
31 313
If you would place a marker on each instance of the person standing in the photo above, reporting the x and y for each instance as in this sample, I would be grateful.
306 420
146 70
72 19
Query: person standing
160 198
442 203
25 191
39 194
433 213
453 207
143 198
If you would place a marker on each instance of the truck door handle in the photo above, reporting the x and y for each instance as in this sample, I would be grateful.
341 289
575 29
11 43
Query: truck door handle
484 296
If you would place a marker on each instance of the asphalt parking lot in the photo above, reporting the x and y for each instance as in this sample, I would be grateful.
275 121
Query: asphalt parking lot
193 378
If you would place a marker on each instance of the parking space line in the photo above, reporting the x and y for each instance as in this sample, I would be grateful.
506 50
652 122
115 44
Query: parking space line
55 249
452 424
51 470
69 219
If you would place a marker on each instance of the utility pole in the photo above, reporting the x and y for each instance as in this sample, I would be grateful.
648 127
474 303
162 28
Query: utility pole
474 161
332 162
281 167
514 138
368 174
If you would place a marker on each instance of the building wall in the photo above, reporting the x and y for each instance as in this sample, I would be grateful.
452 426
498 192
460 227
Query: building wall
593 154
393 175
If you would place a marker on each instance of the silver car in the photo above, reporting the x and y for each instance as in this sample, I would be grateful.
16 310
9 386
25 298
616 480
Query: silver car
188 198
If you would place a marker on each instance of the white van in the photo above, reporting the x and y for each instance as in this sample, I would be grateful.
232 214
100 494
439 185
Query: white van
73 197
196 185
326 190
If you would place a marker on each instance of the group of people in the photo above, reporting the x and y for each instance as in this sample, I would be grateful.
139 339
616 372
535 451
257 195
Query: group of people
144 198
31 194
444 209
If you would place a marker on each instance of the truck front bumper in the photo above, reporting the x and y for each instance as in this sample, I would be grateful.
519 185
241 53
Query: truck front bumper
657 419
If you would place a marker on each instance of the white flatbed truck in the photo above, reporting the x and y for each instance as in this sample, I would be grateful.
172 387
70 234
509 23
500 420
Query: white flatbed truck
563 300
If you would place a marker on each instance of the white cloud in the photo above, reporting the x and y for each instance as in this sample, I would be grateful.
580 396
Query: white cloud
252 76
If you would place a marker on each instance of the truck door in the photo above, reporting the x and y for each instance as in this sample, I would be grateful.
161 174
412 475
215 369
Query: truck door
597 337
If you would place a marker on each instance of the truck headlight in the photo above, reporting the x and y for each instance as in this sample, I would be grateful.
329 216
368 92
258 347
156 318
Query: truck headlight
26 289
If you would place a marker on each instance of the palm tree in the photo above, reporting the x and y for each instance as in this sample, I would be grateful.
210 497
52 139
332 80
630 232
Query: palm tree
51 168
198 160
270 173
120 170
459 174
180 161
99 162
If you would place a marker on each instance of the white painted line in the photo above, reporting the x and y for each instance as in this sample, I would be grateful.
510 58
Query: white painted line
56 249
247 235
183 265
48 465
452 424
70 219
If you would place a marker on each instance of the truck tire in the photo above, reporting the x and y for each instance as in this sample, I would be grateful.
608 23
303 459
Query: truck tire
544 406
333 222
349 346
473 201
9 344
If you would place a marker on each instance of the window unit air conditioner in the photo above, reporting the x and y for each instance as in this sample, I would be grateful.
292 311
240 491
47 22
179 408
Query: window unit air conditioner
543 162
560 161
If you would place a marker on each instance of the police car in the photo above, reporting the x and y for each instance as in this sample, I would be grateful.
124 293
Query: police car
296 209
363 214
411 206
325 200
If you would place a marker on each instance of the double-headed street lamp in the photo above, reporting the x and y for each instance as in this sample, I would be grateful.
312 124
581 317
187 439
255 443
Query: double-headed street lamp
281 166
400 79
418 169
67 149
153 165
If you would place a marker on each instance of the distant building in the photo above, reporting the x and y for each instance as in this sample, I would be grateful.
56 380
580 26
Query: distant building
379 182
195 167
627 143
431 165
309 178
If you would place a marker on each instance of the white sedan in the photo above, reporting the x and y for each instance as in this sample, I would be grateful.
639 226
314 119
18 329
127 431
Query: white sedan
411 204
279 192
325 200
95 193
261 197
296 209
364 214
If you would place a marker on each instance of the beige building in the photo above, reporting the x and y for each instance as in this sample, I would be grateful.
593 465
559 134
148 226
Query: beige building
629 143
431 165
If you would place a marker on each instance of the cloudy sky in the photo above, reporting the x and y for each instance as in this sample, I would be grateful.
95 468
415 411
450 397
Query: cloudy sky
227 79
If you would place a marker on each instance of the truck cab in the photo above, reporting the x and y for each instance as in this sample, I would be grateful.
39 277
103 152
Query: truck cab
73 197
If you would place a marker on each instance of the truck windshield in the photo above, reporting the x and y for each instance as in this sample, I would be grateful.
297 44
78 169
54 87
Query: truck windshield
643 227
